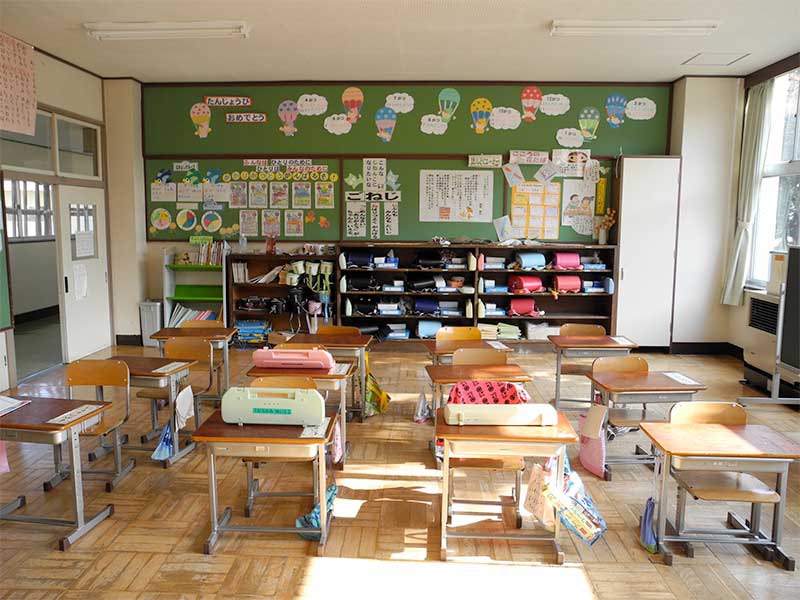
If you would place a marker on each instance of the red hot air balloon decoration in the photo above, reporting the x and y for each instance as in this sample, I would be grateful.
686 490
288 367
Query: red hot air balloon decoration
353 100
531 99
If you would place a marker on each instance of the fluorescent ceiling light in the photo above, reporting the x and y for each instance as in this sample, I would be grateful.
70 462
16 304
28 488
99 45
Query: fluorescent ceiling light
181 30
646 27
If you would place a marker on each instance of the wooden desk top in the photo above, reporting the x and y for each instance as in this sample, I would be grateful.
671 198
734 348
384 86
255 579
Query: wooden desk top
449 347
455 373
34 416
652 381
590 341
313 373
562 433
214 429
143 366
207 333
734 441
332 341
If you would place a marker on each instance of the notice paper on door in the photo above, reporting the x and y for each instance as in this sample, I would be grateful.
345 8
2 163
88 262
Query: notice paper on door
80 279
84 244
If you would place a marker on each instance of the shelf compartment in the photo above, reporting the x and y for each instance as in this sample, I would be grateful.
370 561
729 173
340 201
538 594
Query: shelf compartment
551 316
196 293
182 267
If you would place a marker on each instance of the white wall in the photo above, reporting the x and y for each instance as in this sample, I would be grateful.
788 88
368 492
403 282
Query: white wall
34 280
706 133
61 86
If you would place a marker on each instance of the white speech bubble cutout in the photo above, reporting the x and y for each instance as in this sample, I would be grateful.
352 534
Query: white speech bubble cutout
640 109
310 105
432 125
337 124
554 105
400 102
504 117
569 137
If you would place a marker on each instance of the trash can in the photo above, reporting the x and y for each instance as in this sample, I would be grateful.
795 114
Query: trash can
150 320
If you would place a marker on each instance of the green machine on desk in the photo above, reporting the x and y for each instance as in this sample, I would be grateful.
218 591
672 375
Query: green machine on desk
273 406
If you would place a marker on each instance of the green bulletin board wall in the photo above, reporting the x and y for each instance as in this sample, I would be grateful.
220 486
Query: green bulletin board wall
171 134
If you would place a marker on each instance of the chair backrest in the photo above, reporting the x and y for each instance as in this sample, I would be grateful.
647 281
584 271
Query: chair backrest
620 364
291 346
338 330
582 329
201 324
720 413
284 381
190 348
450 334
479 356
98 373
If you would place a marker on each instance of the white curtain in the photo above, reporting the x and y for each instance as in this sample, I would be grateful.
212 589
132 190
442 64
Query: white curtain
754 150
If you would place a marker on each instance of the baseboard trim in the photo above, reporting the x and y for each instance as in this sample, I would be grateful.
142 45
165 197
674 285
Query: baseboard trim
725 348
129 340
33 315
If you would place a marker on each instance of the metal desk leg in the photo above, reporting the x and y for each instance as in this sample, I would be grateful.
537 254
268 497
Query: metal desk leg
558 378
661 510
787 562
227 363
177 451
445 502
560 554
208 547
362 362
343 419
323 500
161 347
61 471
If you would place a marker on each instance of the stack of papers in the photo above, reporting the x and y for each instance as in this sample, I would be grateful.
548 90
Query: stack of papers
488 331
506 331
8 405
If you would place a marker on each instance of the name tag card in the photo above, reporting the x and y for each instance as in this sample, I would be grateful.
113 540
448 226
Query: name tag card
74 414
680 378
622 340
170 367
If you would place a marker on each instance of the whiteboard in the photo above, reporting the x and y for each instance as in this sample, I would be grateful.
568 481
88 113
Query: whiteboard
456 196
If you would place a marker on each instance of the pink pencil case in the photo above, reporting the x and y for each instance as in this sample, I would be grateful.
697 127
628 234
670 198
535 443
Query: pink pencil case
315 358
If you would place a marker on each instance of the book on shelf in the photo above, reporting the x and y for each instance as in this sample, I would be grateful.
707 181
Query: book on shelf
210 253
181 314
269 277
488 331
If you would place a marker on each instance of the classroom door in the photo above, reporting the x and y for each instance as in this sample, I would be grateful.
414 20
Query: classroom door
83 271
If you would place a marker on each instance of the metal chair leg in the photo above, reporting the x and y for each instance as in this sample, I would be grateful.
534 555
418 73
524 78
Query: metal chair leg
61 471
252 487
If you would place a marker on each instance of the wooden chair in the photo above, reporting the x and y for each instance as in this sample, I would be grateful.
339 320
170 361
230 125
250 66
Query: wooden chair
579 329
251 463
457 334
100 374
479 356
717 486
195 349
338 330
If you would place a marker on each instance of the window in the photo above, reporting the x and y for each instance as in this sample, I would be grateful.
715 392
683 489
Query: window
29 210
29 152
77 148
777 220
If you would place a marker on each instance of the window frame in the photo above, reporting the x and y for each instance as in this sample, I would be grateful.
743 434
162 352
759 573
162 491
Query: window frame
6 167
56 149
17 213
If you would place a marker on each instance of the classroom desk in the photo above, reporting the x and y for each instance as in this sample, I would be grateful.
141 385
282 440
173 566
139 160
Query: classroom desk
29 424
580 346
492 441
350 345
338 375
438 349
739 448
152 372
652 387
254 441
218 337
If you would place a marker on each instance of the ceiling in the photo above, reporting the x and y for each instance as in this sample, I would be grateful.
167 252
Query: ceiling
357 40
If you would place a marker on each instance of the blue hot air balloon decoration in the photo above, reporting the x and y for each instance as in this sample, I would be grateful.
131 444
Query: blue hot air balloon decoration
615 110
385 120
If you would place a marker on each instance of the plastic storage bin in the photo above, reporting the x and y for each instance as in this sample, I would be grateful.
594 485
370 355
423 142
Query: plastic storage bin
150 320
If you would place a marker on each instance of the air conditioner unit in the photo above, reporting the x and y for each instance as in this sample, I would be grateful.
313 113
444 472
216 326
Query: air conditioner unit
759 344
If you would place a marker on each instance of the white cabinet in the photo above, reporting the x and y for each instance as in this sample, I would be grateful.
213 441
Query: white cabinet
649 191
4 377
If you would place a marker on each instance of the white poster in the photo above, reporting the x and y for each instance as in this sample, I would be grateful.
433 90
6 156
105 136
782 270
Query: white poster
534 210
546 172
571 162
238 194
162 192
486 161
258 194
248 223
217 193
17 86
374 220
391 218
374 174
528 157
355 221
84 244
456 196
80 281
577 206
190 192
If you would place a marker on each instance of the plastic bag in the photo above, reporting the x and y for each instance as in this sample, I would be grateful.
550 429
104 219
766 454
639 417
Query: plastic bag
593 448
165 444
337 448
376 400
423 412
184 406
647 534
535 501
312 519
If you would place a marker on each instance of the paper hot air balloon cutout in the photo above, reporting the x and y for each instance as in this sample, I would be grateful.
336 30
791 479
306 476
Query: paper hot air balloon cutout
353 100
200 114
588 121
287 113
531 99
481 111
615 110
449 99
385 121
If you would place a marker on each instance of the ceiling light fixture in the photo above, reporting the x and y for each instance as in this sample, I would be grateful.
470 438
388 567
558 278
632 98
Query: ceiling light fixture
154 30
646 27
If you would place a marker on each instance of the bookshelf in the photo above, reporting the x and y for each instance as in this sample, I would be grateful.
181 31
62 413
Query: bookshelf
193 286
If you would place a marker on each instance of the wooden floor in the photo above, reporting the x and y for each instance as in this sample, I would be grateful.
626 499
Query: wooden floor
384 540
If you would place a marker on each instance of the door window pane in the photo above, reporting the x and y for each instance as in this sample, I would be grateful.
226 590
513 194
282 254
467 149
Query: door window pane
83 234
29 209
77 149
28 151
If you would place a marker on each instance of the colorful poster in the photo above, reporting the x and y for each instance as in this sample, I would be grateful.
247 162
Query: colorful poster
513 174
238 194
293 223
211 221
571 162
577 206
355 222
271 223
217 193
301 194
279 194
17 86
456 196
190 192
160 218
258 194
534 210
374 174
323 195
374 220
248 223
162 192
186 219
391 219
546 172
